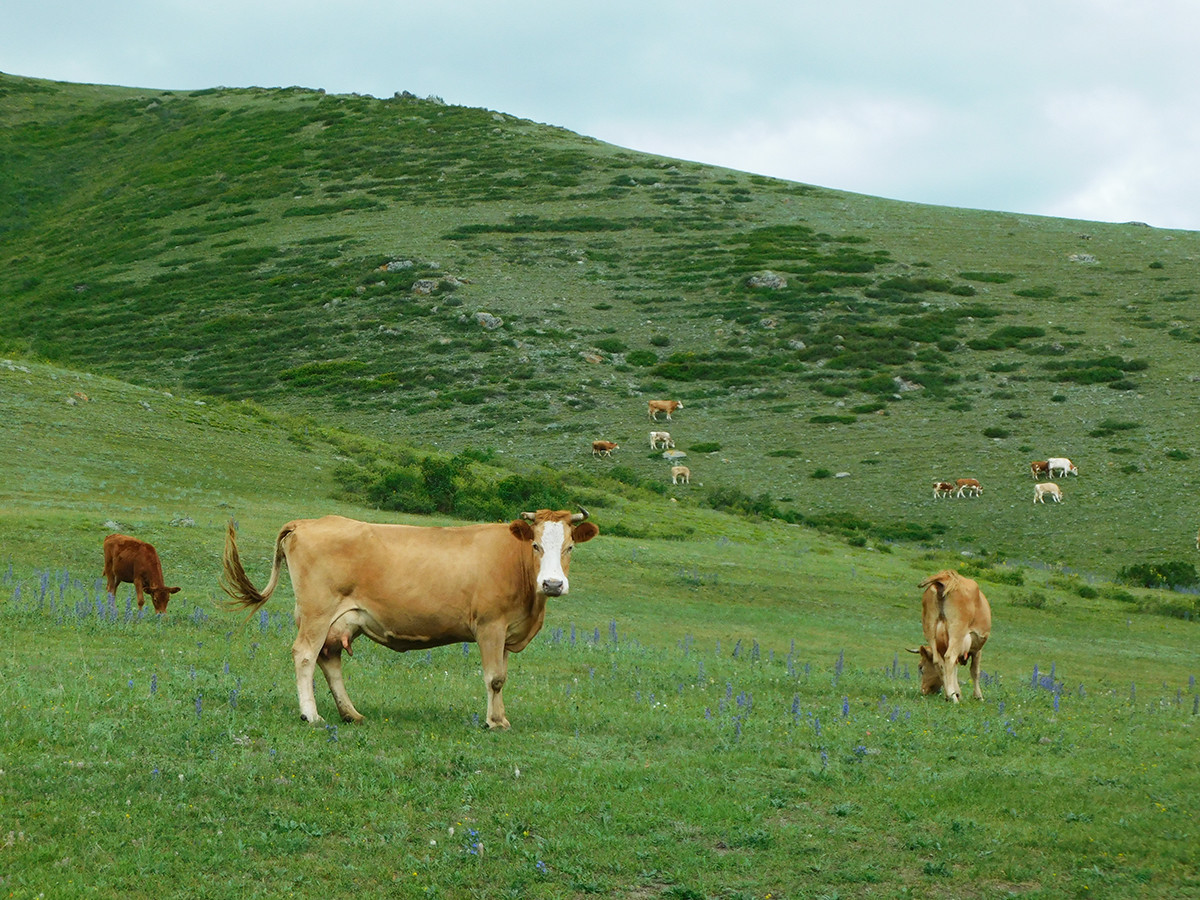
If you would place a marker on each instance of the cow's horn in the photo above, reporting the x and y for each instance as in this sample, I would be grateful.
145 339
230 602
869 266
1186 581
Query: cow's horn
913 649
579 516
530 516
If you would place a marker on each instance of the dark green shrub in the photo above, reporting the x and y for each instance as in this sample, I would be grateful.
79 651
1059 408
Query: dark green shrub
641 358
1174 573
660 340
995 432
705 447
821 473
1109 427
1178 454
611 345
988 277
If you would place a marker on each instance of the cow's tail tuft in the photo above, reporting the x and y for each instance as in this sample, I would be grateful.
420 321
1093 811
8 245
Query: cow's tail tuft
237 584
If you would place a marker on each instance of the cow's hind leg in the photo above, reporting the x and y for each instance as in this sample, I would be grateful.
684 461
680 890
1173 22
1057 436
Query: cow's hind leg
306 650
978 694
495 671
330 662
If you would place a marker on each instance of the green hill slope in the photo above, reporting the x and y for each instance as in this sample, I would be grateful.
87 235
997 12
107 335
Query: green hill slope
460 279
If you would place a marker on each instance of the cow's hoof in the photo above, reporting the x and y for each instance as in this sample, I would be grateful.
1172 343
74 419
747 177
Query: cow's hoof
314 721
352 720
502 725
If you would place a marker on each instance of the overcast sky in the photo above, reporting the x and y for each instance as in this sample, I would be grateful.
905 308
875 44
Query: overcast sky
1080 108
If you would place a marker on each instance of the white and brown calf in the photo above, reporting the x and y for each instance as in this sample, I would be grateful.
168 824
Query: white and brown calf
661 440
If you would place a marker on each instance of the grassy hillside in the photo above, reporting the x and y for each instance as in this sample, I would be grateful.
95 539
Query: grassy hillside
328 255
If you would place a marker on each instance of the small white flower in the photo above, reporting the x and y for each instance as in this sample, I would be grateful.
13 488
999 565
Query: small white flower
516 772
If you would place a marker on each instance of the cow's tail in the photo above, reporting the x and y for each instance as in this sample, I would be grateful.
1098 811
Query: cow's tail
237 584
942 583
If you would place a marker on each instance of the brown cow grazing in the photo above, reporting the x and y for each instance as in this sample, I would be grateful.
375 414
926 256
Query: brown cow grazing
957 620
130 561
603 448
681 473
409 587
667 406
968 486
1040 469
943 489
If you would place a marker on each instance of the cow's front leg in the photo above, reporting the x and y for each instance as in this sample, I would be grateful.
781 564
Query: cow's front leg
495 671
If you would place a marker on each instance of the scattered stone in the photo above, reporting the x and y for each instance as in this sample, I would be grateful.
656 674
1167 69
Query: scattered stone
488 321
424 286
1082 258
842 475
184 522
772 281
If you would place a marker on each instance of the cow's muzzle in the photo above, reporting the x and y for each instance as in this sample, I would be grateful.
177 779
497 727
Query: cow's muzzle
553 587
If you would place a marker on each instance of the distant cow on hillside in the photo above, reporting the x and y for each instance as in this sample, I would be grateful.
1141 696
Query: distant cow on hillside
661 440
1047 489
667 406
130 561
603 448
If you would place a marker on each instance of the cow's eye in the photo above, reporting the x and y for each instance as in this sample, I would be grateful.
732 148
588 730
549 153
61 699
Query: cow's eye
537 547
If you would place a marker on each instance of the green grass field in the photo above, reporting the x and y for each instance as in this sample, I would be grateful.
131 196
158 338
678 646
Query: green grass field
198 322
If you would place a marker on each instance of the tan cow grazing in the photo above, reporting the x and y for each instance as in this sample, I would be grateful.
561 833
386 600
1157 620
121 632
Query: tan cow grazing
968 486
667 406
943 489
603 448
409 587
130 561
661 440
957 620
1047 489
1039 469
681 473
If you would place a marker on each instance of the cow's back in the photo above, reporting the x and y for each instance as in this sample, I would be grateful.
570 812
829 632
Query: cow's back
951 600
126 558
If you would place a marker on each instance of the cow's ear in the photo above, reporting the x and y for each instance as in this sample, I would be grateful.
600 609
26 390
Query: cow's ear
521 530
173 590
584 531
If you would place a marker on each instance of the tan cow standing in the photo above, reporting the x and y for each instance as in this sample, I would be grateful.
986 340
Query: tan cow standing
957 621
603 448
667 406
409 587
681 473
128 560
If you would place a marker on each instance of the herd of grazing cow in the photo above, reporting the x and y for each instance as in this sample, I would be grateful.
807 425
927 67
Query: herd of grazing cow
970 487
659 440
412 587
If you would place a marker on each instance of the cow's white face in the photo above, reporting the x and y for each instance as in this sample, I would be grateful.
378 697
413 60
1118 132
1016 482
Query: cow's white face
552 537
551 548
